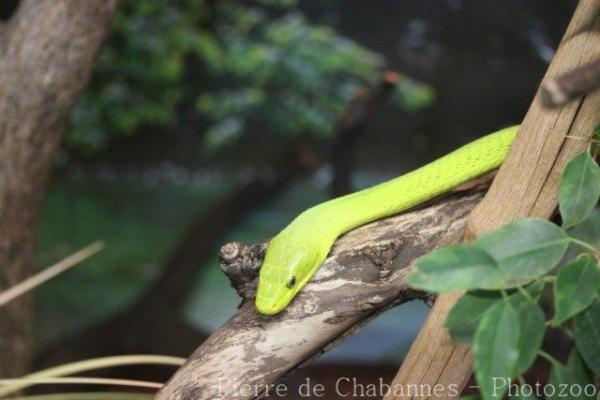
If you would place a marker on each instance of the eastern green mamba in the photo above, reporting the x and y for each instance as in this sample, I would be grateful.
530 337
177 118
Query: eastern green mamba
294 255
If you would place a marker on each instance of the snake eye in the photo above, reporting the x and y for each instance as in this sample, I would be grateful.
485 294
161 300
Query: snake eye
291 282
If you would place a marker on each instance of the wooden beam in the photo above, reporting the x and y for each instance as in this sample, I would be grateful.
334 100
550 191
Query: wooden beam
526 185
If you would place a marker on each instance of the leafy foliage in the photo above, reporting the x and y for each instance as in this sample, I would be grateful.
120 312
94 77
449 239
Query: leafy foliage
500 317
508 257
579 189
586 329
467 267
525 249
572 375
463 319
496 345
576 287
237 68
531 334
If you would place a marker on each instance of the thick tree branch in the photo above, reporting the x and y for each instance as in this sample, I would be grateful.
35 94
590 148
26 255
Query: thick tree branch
526 185
363 277
47 54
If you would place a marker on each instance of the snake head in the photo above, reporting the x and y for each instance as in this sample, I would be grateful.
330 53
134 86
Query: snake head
288 266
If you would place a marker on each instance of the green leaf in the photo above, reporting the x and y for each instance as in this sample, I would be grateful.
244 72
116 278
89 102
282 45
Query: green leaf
586 329
456 267
579 189
464 317
559 375
576 287
568 381
588 230
525 249
579 371
531 323
496 349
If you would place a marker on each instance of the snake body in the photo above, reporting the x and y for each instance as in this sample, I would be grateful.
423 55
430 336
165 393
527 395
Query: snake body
294 255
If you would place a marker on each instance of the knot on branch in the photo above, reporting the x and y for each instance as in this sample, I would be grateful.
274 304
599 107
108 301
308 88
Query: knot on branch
241 264
383 256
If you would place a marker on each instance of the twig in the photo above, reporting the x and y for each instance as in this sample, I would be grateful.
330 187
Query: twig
49 273
88 365
83 380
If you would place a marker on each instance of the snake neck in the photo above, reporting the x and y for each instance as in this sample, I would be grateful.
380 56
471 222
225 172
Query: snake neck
342 214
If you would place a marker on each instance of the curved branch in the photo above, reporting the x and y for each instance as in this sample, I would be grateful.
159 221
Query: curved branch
363 277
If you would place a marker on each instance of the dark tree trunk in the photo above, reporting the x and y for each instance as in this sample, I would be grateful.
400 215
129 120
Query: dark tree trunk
47 51
361 109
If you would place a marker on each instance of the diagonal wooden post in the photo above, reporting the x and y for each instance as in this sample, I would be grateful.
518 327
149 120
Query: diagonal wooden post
526 185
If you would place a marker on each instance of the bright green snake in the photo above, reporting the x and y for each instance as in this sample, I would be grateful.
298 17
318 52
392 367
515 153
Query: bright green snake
295 254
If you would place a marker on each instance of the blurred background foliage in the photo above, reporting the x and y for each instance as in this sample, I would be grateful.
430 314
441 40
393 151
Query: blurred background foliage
192 100
240 69
207 73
